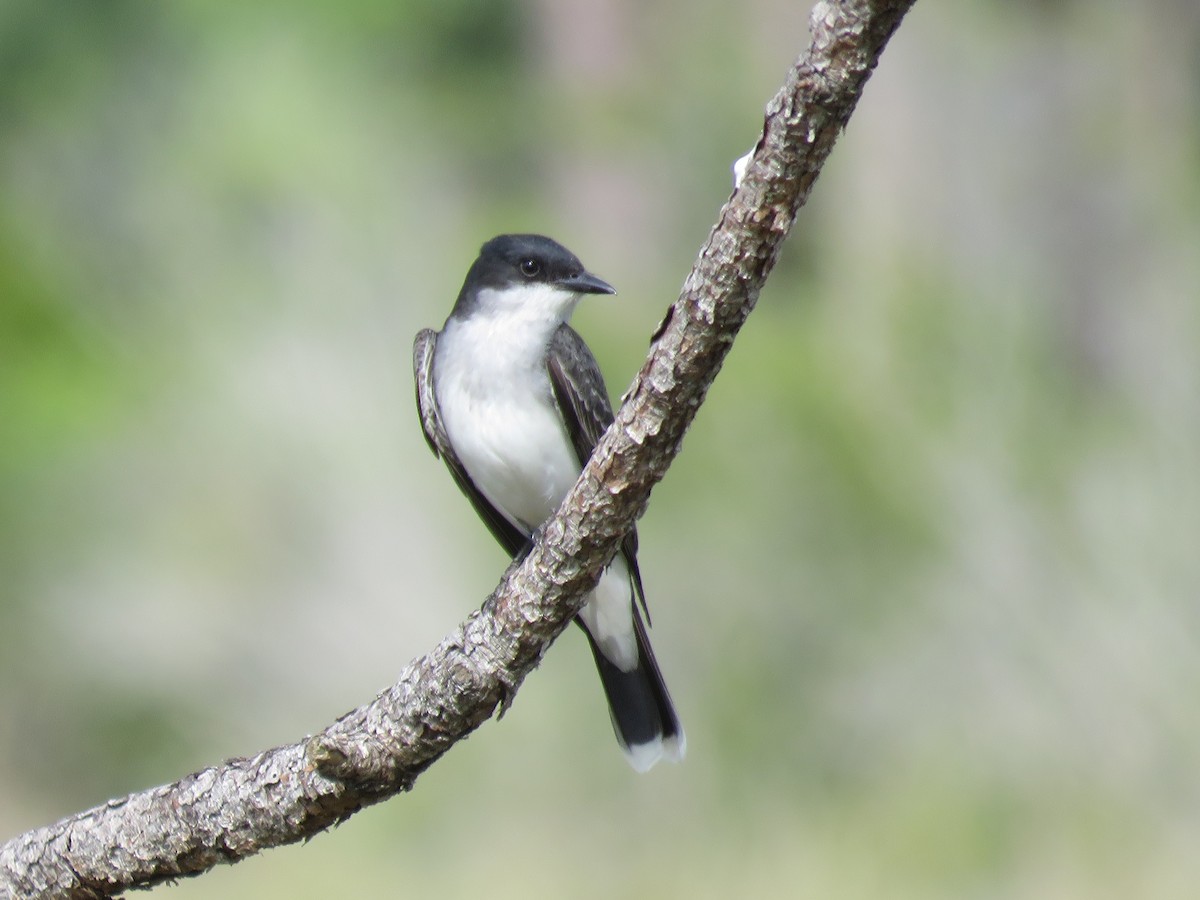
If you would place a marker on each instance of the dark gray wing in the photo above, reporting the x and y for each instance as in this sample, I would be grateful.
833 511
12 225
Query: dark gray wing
583 401
510 537
579 390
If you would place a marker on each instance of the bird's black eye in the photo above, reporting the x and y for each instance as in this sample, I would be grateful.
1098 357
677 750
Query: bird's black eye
531 268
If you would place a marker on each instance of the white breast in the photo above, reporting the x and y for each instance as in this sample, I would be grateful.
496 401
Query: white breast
498 409
496 403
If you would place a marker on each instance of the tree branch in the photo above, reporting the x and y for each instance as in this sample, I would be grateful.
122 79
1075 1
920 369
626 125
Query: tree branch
225 813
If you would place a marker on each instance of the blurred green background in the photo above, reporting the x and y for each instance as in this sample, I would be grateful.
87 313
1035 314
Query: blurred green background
925 577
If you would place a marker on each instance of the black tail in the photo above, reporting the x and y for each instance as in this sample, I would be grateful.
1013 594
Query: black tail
643 716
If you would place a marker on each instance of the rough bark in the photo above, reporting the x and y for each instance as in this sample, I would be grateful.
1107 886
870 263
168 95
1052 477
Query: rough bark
225 813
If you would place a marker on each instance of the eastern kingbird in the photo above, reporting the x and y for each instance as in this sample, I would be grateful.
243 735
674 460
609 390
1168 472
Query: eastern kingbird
513 402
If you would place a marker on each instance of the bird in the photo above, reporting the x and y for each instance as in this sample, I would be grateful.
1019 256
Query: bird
513 402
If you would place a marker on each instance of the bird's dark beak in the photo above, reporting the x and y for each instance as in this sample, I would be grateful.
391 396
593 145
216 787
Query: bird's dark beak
586 283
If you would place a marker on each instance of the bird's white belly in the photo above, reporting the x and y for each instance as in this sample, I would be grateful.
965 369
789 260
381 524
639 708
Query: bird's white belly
506 430
515 450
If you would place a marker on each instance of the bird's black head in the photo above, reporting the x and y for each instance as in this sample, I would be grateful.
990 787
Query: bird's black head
514 260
